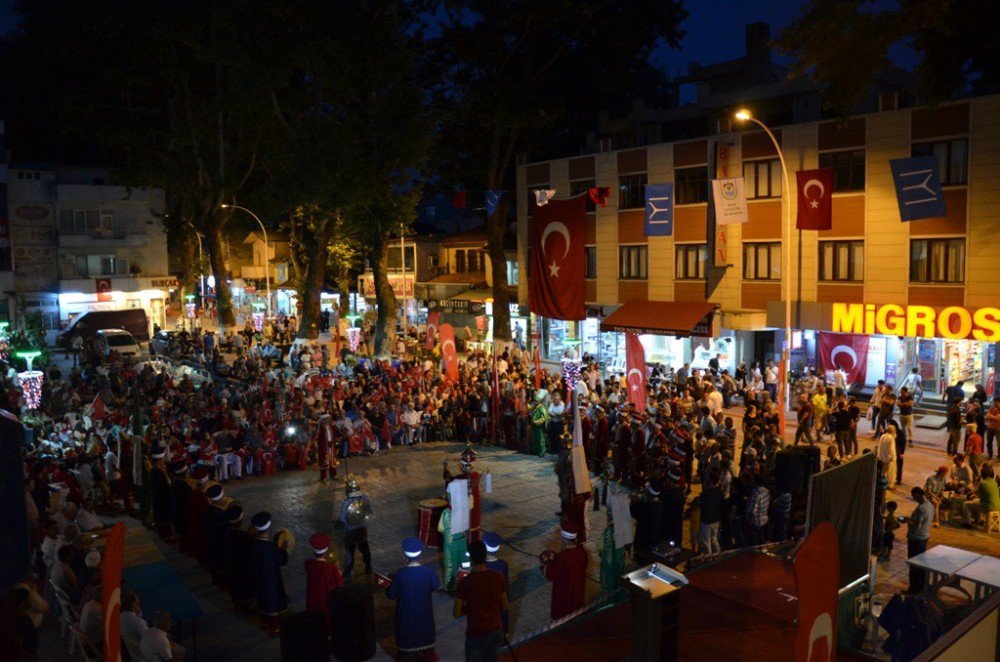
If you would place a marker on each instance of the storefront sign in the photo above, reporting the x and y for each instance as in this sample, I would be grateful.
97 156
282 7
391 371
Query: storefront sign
953 322
162 283
402 286
457 306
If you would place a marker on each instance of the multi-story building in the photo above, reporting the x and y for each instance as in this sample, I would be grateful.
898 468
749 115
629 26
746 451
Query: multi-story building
81 243
868 257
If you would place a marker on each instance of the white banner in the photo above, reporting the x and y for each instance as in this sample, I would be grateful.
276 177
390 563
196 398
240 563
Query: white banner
730 201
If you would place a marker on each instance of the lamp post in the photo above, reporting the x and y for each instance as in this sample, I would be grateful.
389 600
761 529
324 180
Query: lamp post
267 268
745 115
31 379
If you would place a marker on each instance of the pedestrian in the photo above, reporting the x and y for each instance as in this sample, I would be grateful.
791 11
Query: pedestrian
992 425
889 527
974 450
413 589
481 596
886 450
917 534
905 402
953 422
804 417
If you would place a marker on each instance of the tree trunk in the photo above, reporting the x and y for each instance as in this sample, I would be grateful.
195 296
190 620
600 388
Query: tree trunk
311 285
223 295
496 227
385 298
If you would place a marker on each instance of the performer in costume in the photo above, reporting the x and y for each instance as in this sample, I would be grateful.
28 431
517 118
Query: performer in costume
216 525
268 558
413 588
454 550
160 491
493 542
540 422
612 559
322 576
199 506
354 513
647 511
239 560
325 438
567 572
180 503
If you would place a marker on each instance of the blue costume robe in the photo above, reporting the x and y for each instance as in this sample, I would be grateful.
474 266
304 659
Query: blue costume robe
412 589
268 559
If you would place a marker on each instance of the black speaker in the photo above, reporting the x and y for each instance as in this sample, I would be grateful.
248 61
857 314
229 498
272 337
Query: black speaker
793 467
303 637
15 557
352 623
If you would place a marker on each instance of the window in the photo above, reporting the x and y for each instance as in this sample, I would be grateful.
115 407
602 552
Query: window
762 179
580 187
848 169
690 260
632 191
842 260
691 185
459 262
101 265
99 224
590 268
937 260
953 158
633 262
394 255
762 261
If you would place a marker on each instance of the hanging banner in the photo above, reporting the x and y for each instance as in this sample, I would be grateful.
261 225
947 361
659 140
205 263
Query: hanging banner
635 366
449 353
433 319
918 188
659 221
730 201
846 351
815 198
556 287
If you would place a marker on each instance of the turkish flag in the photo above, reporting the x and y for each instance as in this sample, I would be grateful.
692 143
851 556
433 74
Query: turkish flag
446 332
815 189
556 287
111 591
847 351
103 288
599 195
98 411
433 319
635 370
817 580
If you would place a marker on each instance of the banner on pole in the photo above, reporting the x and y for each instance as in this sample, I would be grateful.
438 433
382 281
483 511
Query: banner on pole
730 200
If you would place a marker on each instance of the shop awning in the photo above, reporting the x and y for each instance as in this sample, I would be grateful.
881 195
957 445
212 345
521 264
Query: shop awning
663 318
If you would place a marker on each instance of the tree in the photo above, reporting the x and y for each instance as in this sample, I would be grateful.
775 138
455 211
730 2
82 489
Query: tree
532 75
845 45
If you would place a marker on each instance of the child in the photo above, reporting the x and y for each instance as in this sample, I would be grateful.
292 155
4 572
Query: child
891 524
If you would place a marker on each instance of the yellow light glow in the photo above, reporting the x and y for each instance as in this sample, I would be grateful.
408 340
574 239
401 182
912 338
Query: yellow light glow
743 115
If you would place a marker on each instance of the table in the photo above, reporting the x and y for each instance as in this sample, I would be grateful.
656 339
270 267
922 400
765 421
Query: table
942 561
984 573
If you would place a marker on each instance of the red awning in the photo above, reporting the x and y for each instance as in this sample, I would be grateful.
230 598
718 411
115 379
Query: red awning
663 318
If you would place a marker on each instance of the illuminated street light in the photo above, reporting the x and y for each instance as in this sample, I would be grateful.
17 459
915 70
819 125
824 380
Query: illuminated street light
267 268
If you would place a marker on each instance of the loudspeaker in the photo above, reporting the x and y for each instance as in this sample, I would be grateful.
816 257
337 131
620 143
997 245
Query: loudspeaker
793 467
352 623
303 637
15 555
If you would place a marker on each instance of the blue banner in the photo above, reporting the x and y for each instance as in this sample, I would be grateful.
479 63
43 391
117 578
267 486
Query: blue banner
918 188
493 201
659 210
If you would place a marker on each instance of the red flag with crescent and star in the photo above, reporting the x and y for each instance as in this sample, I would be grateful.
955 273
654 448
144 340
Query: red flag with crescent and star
635 370
815 189
847 351
449 354
111 591
556 287
433 319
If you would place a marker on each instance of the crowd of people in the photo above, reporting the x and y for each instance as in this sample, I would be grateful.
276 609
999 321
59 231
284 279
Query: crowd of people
151 441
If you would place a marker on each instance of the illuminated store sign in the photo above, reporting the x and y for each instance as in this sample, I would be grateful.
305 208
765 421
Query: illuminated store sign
953 322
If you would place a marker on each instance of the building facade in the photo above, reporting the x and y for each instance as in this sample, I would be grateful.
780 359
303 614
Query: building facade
869 256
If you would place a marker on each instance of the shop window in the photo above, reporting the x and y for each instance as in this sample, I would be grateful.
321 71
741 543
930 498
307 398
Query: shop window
952 156
691 185
848 169
633 262
632 191
581 187
762 179
590 265
842 261
690 261
937 260
762 261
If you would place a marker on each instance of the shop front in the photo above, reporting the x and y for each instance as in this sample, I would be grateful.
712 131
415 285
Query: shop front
78 296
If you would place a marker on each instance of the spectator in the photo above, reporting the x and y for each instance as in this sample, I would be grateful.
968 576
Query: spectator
917 535
711 514
92 620
482 596
889 529
974 450
953 422
886 450
934 491
63 575
987 501
131 624
155 645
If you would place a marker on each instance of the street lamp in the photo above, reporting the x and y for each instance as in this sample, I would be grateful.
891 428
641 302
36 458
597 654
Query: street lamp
744 115
267 268
201 264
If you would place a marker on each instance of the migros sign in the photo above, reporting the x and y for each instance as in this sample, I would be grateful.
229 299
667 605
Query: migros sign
953 322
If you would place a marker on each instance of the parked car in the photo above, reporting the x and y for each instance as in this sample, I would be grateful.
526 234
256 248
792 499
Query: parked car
160 344
120 341
133 320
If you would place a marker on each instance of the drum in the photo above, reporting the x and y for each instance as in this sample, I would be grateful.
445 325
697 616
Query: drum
429 515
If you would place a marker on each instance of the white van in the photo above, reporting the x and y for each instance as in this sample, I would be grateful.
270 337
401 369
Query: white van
120 341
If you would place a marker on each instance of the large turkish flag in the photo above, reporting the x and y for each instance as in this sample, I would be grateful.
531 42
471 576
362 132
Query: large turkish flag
446 332
635 370
815 189
111 591
433 319
847 351
817 580
555 283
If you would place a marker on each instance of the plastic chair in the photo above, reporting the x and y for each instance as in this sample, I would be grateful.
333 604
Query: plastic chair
993 521
132 646
87 649
68 616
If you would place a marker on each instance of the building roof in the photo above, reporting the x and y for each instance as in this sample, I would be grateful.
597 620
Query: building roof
469 277
474 237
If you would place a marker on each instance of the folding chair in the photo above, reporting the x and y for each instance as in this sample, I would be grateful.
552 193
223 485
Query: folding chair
87 649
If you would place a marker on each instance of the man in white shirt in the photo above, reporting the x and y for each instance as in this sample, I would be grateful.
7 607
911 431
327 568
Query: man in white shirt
771 380
155 645
886 450
92 619
840 380
130 622
86 519
715 400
